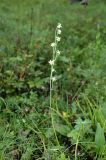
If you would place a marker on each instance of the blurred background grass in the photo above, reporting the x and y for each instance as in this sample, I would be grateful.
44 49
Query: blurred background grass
26 32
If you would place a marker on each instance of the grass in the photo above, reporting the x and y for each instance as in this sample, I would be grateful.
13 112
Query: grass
78 127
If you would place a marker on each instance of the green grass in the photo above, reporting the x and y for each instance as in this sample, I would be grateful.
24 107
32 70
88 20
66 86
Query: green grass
78 127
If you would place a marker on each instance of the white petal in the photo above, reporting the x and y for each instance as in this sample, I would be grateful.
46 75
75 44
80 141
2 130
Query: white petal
51 62
53 44
59 25
58 39
58 31
53 79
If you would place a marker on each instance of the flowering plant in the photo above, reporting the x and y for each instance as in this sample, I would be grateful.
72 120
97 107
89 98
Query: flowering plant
56 53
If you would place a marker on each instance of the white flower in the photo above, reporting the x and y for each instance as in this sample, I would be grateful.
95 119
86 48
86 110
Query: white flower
58 52
58 39
53 70
51 62
53 44
53 79
59 25
58 31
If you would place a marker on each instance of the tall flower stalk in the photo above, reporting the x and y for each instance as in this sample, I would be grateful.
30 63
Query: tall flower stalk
52 62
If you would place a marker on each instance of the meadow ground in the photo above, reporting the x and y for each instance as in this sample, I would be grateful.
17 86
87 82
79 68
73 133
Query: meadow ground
75 126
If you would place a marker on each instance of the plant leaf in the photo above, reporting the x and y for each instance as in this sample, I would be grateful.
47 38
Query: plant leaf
62 129
99 137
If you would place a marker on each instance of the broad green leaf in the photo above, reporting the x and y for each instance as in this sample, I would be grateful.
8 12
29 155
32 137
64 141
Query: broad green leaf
99 137
62 129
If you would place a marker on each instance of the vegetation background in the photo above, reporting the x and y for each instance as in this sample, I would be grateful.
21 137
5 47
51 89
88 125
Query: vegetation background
78 130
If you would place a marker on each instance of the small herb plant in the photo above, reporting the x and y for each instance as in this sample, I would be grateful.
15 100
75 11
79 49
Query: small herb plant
52 62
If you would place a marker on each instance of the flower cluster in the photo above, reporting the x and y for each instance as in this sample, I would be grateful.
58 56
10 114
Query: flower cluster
56 52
